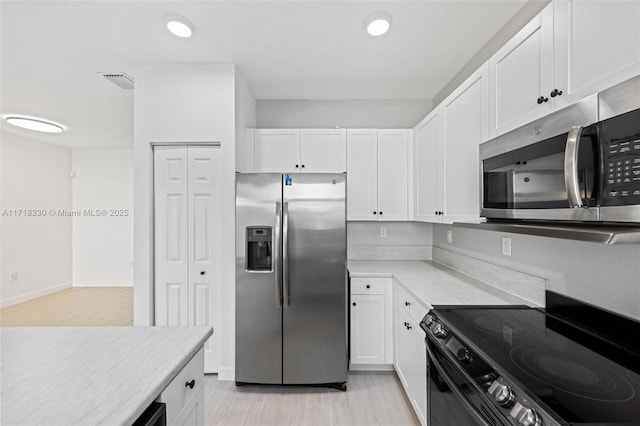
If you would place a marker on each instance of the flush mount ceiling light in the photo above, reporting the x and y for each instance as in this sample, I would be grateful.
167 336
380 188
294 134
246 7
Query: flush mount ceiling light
33 123
377 23
179 26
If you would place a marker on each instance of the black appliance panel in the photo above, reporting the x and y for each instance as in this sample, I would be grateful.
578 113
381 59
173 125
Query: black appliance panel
620 144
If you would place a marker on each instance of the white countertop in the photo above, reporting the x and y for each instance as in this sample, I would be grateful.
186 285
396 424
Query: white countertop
89 375
434 284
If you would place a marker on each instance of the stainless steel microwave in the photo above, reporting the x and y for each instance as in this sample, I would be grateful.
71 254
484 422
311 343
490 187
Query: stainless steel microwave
567 166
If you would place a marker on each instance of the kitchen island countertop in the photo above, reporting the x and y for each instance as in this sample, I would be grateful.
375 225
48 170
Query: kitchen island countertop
433 283
90 375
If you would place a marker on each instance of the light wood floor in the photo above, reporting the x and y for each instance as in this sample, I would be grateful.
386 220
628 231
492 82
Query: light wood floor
78 306
371 399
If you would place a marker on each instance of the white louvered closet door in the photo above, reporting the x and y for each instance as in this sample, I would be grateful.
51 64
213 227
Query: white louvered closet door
187 252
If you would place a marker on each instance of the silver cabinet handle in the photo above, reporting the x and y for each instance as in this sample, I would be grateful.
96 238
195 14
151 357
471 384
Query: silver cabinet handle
571 167
277 267
285 254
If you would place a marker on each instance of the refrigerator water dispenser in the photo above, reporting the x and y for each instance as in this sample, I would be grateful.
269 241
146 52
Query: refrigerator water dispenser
259 249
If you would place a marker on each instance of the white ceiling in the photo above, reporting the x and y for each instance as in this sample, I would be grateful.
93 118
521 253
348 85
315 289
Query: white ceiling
51 53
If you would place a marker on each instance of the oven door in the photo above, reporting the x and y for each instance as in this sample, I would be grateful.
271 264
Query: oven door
453 399
553 179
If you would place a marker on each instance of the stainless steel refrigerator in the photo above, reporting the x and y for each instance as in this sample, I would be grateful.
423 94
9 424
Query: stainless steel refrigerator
291 291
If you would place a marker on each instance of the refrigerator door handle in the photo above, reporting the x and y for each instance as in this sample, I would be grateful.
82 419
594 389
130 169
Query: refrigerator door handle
285 254
277 265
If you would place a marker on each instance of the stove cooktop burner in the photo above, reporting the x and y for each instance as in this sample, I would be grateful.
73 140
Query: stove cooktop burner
565 374
572 373
494 325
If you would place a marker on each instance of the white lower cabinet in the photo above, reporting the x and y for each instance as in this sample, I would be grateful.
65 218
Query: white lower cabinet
371 341
184 396
410 350
367 329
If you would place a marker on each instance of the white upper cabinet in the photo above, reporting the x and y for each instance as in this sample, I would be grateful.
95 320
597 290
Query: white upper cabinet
446 164
572 49
596 45
323 150
428 142
377 178
392 174
465 123
521 76
277 150
362 174
296 150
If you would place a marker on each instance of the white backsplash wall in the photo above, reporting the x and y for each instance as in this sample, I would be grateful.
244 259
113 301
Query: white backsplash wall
403 241
604 275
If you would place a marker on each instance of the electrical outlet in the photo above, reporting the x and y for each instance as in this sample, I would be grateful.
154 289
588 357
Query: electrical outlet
14 276
383 232
506 246
450 236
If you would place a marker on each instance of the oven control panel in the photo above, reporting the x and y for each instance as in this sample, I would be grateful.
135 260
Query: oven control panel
620 138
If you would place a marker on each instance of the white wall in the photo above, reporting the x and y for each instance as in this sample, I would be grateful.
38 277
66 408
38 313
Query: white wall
375 113
404 241
182 104
35 175
245 119
603 275
103 246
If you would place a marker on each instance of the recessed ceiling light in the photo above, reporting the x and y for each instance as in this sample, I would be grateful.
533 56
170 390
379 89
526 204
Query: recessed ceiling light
33 123
377 23
179 26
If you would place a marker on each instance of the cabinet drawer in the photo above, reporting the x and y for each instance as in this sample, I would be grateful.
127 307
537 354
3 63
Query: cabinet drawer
403 298
177 393
368 285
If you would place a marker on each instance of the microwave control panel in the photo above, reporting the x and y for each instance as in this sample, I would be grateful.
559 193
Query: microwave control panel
621 160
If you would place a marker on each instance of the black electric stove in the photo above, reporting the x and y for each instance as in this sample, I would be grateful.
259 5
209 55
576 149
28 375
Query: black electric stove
571 363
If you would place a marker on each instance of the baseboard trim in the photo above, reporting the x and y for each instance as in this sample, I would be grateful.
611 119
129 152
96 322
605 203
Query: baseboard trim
33 295
103 285
227 374
370 367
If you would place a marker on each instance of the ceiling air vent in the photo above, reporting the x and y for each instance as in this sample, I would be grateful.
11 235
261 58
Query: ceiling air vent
120 79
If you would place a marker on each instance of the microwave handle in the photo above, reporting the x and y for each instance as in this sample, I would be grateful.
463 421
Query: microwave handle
571 167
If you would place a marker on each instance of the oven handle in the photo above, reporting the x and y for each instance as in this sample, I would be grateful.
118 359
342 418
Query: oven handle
470 408
571 167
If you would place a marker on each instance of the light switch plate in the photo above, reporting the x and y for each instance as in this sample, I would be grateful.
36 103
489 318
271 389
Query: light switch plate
506 246
14 276
450 236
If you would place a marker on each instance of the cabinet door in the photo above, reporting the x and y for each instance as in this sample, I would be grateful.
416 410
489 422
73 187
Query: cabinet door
368 329
465 126
403 347
596 45
520 73
392 174
277 150
323 150
171 235
204 254
427 192
193 412
419 369
362 174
